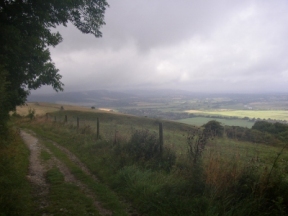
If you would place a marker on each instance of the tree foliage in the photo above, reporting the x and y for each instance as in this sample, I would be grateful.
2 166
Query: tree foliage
3 100
25 36
250 135
273 128
214 128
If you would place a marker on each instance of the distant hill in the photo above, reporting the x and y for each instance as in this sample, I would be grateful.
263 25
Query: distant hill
88 98
106 98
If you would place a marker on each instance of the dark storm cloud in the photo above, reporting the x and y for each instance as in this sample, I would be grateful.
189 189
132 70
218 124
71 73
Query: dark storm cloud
193 45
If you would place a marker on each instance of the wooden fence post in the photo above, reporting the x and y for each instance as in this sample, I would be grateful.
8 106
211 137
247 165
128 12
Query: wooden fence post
161 137
65 118
97 136
77 122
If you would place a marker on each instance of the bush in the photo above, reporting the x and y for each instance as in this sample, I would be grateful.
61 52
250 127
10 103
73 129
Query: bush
213 128
251 135
273 128
143 145
144 149
16 115
31 113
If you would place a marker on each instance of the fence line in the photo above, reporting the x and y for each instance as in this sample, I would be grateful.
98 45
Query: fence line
116 135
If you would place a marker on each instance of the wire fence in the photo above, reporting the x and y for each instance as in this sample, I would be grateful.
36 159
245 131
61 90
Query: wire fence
117 129
111 129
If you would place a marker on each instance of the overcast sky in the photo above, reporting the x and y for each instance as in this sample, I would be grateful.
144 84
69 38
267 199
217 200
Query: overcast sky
200 46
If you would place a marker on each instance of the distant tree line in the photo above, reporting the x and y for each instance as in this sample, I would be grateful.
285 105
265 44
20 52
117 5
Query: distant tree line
261 132
156 113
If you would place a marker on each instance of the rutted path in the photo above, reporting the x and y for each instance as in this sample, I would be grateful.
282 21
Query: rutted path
73 158
131 211
37 172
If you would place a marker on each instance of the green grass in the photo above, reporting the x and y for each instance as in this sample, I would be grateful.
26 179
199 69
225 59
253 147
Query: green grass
199 121
227 181
15 191
67 199
108 199
259 154
45 155
174 133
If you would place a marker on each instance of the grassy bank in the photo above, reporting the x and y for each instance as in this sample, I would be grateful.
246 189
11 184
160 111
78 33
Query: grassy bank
15 191
229 178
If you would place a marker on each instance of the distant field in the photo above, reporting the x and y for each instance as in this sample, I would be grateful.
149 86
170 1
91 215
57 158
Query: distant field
199 121
262 114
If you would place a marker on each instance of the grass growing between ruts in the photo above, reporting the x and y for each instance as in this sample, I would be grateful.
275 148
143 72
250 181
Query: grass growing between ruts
221 183
67 199
108 199
45 155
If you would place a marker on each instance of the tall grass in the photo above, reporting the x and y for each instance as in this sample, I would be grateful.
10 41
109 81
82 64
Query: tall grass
220 183
15 196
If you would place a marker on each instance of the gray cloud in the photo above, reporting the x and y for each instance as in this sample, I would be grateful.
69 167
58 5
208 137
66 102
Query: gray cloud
224 45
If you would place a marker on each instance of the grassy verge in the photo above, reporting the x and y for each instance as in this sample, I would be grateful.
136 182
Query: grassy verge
15 194
220 183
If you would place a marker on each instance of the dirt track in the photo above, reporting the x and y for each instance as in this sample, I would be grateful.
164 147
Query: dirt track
38 169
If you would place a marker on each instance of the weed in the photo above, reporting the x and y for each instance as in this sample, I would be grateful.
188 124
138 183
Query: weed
31 113
197 140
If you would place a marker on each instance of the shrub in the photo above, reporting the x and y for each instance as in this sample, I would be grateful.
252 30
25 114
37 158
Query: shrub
15 115
144 149
31 113
213 128
251 135
143 145
272 128
196 141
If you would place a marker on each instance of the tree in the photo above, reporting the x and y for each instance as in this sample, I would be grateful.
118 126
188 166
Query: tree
25 36
214 128
273 128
